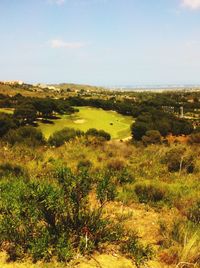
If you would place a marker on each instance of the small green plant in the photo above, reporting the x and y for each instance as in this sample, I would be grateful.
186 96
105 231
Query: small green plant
181 243
138 251
84 164
178 159
125 176
11 169
194 213
106 187
116 164
149 193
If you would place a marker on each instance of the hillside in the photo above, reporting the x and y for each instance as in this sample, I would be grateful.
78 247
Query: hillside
85 196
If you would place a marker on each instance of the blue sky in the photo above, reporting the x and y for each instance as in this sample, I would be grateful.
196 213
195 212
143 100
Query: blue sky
102 42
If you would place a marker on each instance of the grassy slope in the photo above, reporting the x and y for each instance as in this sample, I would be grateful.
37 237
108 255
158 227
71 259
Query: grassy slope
139 217
92 118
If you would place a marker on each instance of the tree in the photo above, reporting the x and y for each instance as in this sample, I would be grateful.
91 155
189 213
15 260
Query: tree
28 135
6 123
152 137
98 133
181 127
164 127
44 106
25 114
138 130
60 137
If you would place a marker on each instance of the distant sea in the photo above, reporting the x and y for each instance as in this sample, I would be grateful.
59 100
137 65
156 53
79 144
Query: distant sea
154 87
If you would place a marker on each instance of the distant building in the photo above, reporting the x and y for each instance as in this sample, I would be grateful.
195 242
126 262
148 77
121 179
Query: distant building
168 109
19 82
181 112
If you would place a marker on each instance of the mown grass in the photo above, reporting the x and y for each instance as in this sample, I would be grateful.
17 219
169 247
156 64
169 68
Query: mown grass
6 110
115 124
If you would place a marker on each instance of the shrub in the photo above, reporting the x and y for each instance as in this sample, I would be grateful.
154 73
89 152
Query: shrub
98 133
178 159
60 137
182 242
116 164
6 123
11 169
84 164
106 187
194 213
151 137
149 193
28 217
27 135
45 220
139 129
124 176
25 114
134 248
194 138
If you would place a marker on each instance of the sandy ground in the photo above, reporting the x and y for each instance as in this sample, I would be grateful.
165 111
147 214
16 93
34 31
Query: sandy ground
79 121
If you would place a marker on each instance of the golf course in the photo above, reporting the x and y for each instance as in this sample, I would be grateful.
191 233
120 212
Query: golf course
6 110
117 125
112 122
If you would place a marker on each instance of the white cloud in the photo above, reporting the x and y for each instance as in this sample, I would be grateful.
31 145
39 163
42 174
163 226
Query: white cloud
57 2
58 43
192 4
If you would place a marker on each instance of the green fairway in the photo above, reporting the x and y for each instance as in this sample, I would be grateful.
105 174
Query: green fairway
6 110
115 124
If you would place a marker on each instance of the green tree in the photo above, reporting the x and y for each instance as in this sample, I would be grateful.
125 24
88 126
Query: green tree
6 123
26 114
60 137
152 137
98 133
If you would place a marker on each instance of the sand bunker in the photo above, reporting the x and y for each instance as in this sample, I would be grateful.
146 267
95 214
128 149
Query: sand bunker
79 121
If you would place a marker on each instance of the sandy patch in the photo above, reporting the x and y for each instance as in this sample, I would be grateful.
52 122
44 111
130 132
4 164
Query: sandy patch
79 121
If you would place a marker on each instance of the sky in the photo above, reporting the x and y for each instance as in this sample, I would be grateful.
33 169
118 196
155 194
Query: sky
100 42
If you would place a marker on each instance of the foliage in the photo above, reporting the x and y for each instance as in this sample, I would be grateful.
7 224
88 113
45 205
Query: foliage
84 164
124 176
116 164
194 138
6 123
65 135
151 137
27 135
194 213
106 187
45 220
98 133
181 243
11 169
134 248
163 122
25 114
179 158
149 193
